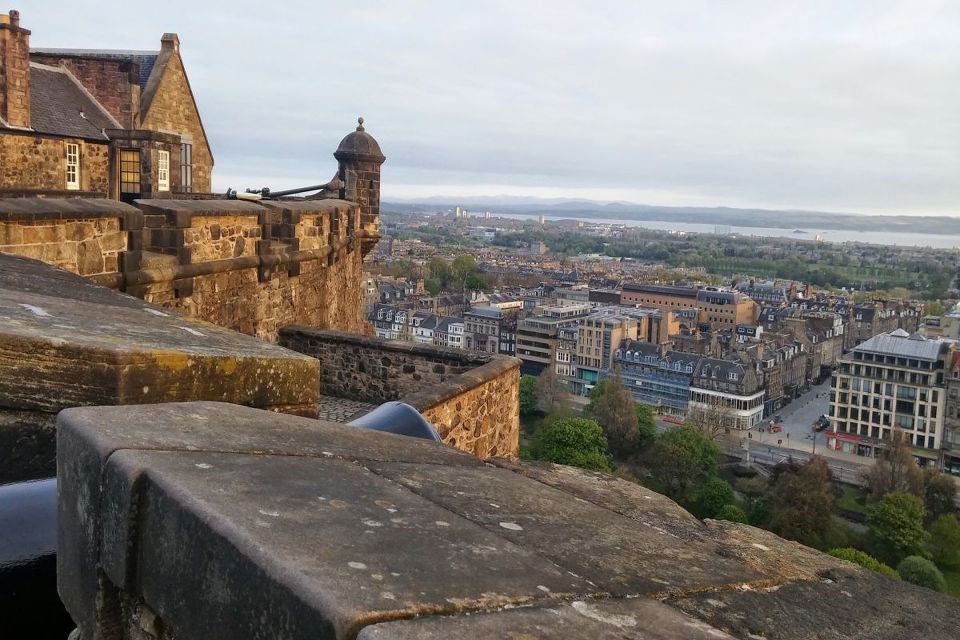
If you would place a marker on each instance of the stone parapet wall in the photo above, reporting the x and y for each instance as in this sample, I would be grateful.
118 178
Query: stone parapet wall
251 267
471 399
86 237
215 521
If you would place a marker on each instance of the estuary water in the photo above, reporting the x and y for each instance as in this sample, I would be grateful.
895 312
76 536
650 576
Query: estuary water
890 238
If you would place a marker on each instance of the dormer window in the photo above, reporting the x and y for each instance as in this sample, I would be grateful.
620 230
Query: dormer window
733 376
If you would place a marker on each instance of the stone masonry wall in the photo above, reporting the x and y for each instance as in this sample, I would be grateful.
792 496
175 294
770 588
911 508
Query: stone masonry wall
173 109
80 236
482 418
30 159
254 267
249 267
112 82
471 399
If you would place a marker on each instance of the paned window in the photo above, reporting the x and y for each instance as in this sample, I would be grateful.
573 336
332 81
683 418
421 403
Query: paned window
186 167
130 171
73 166
163 171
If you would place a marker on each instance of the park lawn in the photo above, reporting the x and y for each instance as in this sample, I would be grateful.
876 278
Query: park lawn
852 500
953 582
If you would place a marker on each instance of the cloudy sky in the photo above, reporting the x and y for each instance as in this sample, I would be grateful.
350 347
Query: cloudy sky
846 106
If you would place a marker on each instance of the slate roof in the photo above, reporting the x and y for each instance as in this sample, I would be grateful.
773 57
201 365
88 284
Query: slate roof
900 343
683 292
59 105
145 59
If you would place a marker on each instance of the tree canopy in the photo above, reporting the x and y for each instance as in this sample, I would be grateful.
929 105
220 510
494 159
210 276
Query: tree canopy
801 502
895 526
895 470
680 460
922 572
578 442
615 410
528 395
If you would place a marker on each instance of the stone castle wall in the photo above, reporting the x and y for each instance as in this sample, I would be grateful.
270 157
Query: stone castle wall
470 398
79 236
38 161
241 265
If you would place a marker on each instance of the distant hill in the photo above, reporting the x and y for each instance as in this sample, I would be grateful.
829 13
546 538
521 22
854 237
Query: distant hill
779 219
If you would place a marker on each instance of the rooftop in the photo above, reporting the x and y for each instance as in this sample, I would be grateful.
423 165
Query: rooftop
901 343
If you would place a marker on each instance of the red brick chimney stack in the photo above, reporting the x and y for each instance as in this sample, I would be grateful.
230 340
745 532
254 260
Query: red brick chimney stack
14 71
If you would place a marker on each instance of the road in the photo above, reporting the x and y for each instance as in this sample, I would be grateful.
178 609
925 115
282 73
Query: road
800 414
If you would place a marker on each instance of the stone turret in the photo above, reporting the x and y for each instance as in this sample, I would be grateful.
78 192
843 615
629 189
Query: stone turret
14 71
359 159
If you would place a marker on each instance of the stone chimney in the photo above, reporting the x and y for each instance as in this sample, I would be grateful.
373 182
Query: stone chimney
14 71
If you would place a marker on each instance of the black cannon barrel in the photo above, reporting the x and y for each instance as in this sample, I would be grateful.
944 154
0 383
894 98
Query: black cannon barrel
29 604
399 418
267 193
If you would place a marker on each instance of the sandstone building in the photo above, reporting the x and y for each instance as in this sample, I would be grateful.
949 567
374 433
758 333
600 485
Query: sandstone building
98 122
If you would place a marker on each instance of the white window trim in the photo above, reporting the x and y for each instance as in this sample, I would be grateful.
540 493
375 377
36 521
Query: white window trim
73 162
163 170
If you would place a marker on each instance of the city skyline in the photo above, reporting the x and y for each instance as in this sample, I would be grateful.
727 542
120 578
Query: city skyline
806 107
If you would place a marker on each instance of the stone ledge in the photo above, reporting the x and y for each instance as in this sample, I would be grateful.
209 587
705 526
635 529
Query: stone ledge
461 383
330 336
51 209
214 521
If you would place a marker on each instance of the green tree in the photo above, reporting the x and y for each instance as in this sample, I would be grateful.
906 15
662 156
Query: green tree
933 309
922 572
615 410
864 560
801 502
732 513
475 282
712 496
578 442
895 470
646 424
528 395
759 515
939 494
433 285
552 396
944 542
439 269
680 460
895 526
463 267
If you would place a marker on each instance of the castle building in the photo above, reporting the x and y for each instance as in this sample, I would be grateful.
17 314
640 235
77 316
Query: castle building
98 122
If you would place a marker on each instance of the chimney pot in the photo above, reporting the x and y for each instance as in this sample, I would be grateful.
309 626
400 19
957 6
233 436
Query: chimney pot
14 18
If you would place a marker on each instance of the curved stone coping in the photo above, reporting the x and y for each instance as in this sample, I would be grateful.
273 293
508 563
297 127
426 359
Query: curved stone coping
451 355
485 367
235 207
439 393
307 206
49 209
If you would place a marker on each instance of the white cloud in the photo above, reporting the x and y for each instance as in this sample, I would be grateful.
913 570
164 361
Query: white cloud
844 106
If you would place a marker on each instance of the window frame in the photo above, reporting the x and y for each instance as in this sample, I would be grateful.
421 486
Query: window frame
163 170
186 167
72 149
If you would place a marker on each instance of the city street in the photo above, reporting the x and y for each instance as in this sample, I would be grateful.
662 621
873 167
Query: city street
799 416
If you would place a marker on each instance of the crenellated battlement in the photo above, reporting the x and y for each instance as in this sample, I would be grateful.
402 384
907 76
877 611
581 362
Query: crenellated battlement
253 267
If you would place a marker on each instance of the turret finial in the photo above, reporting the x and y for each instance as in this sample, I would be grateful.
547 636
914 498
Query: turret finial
360 124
